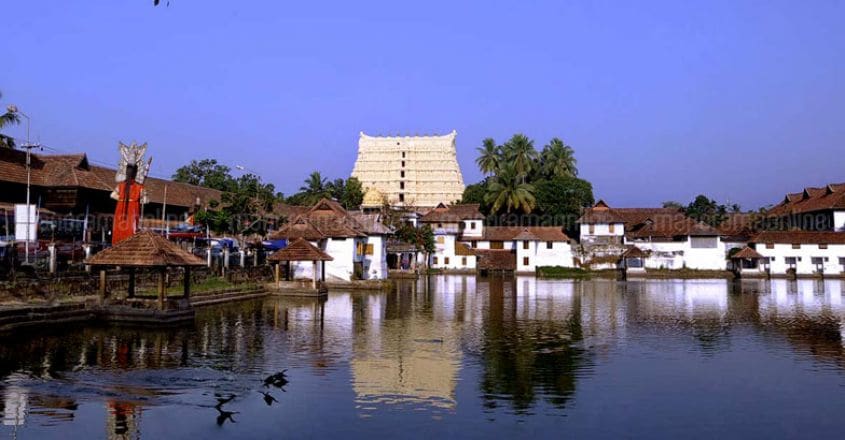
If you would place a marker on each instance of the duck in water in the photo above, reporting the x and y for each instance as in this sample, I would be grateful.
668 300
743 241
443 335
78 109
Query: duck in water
277 380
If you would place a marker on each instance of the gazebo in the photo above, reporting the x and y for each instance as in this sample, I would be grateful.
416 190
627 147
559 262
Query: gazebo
747 261
301 250
146 249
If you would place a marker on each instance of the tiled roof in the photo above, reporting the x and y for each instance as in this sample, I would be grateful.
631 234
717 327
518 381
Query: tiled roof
495 259
73 170
831 196
462 249
300 250
634 252
370 223
523 233
747 253
453 213
799 237
326 219
145 249
667 226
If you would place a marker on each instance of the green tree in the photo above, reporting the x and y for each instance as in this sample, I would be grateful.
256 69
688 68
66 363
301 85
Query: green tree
207 173
475 193
316 187
353 194
706 210
560 200
558 160
508 192
673 204
10 117
489 156
519 152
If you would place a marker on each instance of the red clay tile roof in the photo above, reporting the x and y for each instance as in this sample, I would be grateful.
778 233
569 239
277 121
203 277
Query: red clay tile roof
495 259
799 237
326 219
828 197
300 250
462 249
145 249
634 252
668 226
453 213
73 170
747 253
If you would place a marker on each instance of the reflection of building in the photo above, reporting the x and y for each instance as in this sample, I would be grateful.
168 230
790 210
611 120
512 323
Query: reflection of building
419 171
123 420
15 402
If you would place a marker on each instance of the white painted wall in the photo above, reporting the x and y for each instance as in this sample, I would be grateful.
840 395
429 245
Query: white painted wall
444 248
472 228
839 221
375 265
601 230
539 255
803 266
680 254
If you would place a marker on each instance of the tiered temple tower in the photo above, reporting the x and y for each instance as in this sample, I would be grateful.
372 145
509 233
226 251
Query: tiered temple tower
418 171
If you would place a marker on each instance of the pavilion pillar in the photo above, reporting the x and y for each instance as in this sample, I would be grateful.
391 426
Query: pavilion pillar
255 258
276 274
130 290
323 271
289 275
162 287
314 281
186 280
102 283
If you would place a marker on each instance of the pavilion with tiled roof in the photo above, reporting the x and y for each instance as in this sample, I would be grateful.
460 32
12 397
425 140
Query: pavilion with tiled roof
300 250
146 249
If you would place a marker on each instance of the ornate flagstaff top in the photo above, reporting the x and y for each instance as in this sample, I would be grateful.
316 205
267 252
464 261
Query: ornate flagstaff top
419 171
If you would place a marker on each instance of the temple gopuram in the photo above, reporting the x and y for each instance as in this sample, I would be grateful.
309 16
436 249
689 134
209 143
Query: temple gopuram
415 171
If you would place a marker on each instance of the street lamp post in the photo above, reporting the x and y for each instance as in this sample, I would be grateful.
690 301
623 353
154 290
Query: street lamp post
29 146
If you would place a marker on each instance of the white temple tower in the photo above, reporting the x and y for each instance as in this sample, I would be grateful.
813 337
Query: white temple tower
418 171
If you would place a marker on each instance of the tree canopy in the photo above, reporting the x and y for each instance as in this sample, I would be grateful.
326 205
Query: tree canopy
10 117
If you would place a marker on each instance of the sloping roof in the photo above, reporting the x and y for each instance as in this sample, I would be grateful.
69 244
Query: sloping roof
145 249
300 250
831 196
495 259
748 253
668 226
523 233
396 245
74 170
370 223
737 226
799 237
453 213
326 219
634 252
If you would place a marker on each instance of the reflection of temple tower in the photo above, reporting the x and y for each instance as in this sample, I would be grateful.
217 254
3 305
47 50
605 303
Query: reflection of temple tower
420 171
15 402
123 420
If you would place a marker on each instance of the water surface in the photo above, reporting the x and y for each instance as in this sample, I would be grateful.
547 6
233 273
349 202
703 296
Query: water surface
449 356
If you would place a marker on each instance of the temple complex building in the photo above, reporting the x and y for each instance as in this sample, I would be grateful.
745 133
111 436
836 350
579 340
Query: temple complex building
417 171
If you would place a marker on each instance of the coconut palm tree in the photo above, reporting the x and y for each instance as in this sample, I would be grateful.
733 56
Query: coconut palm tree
520 152
558 159
508 191
10 117
316 187
490 156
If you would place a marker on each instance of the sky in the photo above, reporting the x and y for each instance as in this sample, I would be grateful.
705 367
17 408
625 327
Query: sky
661 100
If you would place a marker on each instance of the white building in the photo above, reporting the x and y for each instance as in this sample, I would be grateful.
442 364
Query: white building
813 209
357 242
464 243
802 253
668 238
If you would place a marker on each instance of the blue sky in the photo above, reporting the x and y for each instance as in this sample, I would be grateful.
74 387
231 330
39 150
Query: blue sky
742 101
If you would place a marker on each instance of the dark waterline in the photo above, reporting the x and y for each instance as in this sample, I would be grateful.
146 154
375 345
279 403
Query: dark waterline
453 356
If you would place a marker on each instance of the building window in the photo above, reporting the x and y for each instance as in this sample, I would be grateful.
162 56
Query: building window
439 225
463 261
770 245
472 225
403 164
842 262
704 242
401 185
592 229
823 246
818 261
525 245
403 155
441 239
359 248
525 261
446 260
790 261
549 245
402 174
434 260
401 197
369 249
611 228
474 243
796 246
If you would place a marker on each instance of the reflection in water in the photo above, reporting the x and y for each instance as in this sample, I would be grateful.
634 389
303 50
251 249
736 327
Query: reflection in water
456 348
